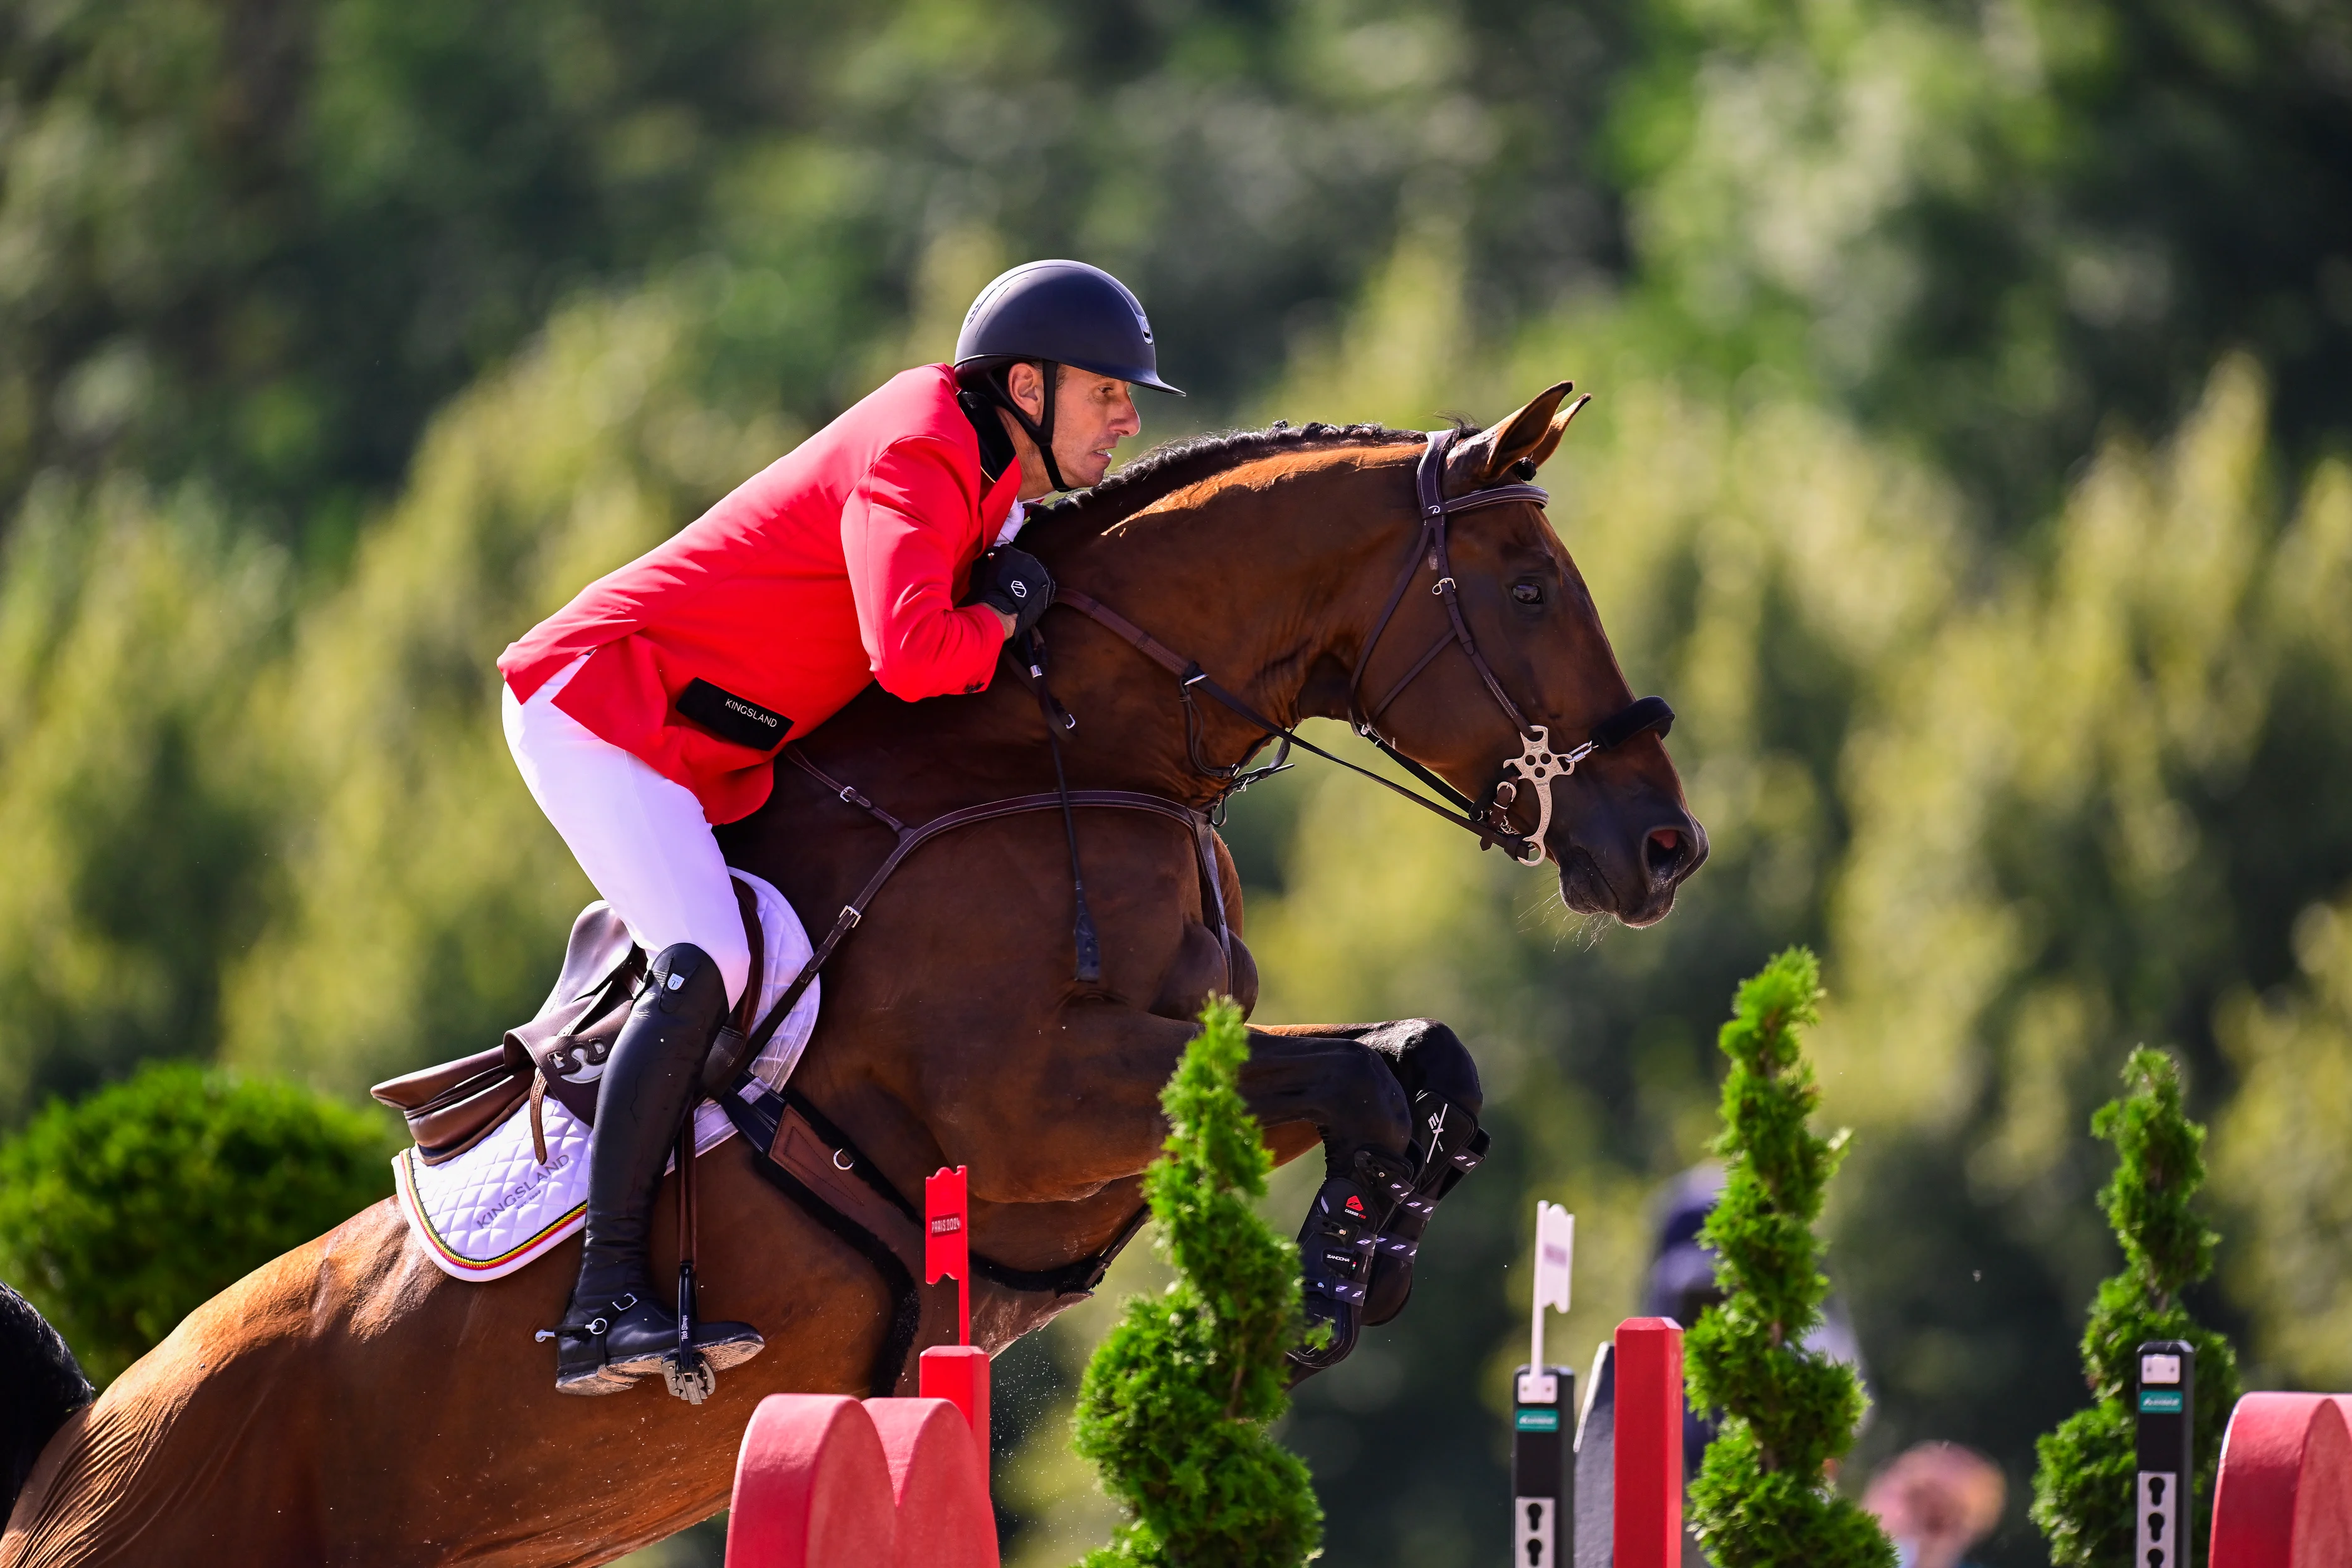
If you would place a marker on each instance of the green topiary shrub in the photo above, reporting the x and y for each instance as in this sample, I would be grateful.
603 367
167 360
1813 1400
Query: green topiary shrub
123 1211
2082 1486
1174 1405
1763 1497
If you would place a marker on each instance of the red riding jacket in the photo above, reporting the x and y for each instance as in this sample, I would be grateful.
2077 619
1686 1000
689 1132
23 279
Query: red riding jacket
839 562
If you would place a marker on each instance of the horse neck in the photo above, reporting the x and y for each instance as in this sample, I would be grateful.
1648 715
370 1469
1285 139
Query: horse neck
1267 576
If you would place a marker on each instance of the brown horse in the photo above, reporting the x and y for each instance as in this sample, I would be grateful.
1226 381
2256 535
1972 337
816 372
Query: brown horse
348 1403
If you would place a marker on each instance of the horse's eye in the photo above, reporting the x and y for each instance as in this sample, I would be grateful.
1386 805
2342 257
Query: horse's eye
1528 592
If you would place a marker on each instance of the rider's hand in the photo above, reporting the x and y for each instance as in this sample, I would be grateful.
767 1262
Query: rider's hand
1015 584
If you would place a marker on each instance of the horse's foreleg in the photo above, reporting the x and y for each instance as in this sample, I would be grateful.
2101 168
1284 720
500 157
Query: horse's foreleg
1353 1096
1295 1080
1435 1071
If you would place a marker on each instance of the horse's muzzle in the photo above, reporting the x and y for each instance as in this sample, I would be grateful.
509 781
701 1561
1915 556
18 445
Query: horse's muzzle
1631 871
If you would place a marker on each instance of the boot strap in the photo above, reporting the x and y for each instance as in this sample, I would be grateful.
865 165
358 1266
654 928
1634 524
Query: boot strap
595 1327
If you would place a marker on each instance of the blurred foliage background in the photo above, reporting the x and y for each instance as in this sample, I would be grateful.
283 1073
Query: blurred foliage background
1969 468
123 1212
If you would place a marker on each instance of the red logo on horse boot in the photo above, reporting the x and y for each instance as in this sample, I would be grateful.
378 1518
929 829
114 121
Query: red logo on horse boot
1355 1205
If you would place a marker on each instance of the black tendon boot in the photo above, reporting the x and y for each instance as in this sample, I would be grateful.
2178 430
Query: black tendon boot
1335 1252
1447 1144
617 1329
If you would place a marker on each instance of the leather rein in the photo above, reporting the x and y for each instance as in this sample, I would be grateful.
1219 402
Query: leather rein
1536 766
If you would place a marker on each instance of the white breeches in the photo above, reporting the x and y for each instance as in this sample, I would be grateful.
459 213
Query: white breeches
641 838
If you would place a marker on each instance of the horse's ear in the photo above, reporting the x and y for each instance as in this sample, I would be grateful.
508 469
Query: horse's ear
1522 441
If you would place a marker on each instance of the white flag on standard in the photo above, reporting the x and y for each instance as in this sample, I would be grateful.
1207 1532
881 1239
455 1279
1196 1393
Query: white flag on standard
1555 1255
1555 1261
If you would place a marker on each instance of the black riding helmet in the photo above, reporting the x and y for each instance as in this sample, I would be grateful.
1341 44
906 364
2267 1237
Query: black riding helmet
1055 313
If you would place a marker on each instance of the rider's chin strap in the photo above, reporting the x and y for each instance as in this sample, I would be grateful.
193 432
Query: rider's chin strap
1041 431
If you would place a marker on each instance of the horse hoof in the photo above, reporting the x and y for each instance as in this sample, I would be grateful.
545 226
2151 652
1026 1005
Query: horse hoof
1305 1361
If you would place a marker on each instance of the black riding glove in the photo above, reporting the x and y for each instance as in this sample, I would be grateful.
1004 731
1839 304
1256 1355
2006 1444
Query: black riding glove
1015 581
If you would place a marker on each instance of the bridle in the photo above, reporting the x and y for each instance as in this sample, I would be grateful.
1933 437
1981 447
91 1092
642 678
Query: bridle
1537 766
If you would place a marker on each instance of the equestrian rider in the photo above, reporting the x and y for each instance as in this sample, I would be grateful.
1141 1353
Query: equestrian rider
652 706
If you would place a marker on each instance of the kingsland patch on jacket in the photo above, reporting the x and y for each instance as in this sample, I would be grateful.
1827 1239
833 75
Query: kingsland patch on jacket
839 563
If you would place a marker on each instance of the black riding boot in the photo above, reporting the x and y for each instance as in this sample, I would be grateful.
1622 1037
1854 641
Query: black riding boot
617 1329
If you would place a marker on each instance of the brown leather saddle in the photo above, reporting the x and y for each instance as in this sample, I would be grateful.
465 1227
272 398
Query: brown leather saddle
563 1049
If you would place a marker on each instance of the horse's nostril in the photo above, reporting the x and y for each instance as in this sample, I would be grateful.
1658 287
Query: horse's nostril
1665 850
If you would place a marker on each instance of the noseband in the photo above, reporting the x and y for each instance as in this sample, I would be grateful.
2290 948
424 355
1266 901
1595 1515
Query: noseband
1536 766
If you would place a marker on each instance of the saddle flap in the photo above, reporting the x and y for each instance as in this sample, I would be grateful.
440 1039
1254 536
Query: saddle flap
429 1088
452 1107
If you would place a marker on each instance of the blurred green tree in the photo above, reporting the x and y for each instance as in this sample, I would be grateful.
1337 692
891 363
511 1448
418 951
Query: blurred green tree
121 1212
1764 1495
263 245
2284 1167
1174 1406
136 820
1994 229
2083 1496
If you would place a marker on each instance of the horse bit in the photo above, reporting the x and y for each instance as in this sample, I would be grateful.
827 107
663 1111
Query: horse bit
1537 766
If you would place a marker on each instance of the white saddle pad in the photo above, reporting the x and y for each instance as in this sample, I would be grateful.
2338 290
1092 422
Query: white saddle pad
495 1208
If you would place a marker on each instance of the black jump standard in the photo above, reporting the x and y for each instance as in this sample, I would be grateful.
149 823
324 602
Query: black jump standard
2167 1377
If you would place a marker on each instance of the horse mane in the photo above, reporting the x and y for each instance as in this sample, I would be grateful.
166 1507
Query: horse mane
1172 465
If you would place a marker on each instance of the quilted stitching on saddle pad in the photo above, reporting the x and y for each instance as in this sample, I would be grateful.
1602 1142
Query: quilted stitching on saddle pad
495 1208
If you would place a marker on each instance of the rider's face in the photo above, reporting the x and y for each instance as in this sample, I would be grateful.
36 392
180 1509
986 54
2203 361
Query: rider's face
1092 414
